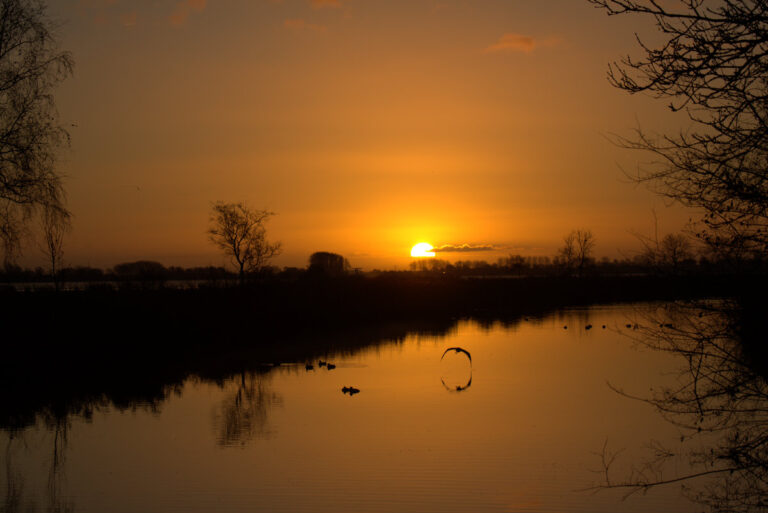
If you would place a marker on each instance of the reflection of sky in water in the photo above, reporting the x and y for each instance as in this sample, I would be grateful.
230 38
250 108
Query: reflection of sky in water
520 438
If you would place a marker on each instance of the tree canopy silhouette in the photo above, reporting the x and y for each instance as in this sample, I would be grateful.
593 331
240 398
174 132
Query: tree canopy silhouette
577 250
712 64
31 65
239 231
330 264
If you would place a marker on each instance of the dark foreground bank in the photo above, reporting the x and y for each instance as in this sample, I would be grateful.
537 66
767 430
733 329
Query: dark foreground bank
68 353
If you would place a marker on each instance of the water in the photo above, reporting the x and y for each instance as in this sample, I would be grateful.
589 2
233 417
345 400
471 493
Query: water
525 435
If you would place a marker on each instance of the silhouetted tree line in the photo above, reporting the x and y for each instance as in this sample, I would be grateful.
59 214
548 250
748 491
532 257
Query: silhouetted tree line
669 257
646 263
138 272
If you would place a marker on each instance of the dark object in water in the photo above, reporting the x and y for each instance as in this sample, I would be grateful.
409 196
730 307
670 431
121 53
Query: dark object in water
588 327
309 366
565 327
458 350
603 326
629 326
322 363
350 390
330 366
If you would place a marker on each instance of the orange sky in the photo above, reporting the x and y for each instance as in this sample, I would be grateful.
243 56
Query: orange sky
367 125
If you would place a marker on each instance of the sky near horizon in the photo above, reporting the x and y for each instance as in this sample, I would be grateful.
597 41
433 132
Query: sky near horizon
366 125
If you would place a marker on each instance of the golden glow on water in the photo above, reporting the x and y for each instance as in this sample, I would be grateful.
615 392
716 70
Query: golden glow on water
422 250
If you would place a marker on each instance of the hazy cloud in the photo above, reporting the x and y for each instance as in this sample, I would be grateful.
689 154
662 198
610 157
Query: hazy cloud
463 248
184 8
103 12
91 4
518 43
438 6
298 24
319 4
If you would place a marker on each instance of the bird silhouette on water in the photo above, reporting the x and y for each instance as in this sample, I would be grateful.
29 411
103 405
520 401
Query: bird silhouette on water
309 367
350 390
330 366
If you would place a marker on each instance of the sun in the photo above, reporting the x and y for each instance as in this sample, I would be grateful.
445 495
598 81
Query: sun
422 249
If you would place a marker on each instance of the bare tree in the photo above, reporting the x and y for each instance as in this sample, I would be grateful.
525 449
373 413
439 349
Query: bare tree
239 231
667 254
31 65
567 253
675 250
577 250
55 224
713 65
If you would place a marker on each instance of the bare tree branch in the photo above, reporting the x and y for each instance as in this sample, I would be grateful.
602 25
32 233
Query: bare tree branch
712 64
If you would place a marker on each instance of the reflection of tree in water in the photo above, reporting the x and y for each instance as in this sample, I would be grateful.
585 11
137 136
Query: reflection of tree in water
56 478
244 415
720 403
15 499
14 481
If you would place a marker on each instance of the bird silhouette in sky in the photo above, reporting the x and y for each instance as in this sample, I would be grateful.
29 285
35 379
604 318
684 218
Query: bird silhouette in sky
458 350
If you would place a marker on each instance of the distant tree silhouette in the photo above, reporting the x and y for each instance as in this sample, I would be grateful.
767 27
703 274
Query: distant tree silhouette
713 65
577 250
145 273
331 264
433 265
667 254
55 223
31 65
239 231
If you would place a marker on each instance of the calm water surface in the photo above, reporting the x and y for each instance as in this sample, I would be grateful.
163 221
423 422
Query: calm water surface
521 437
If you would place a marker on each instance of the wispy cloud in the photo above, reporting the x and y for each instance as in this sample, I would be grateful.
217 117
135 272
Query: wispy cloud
319 4
514 43
129 19
183 9
511 42
463 248
90 4
298 24
438 6
132 13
